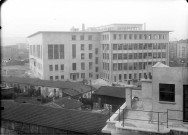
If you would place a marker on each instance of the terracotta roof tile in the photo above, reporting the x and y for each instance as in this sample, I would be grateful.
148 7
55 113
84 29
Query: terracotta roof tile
66 119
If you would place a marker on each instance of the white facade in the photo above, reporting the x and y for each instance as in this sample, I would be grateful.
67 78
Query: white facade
97 54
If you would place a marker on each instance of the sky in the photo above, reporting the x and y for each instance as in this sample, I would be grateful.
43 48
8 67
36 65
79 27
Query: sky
21 18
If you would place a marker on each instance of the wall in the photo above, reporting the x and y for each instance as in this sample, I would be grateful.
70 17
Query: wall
177 76
66 39
36 40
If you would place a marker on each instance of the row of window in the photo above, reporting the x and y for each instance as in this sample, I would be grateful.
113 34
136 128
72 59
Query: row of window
124 56
82 47
136 46
83 66
36 50
83 56
139 36
82 37
56 67
128 66
56 51
73 76
140 46
125 77
132 65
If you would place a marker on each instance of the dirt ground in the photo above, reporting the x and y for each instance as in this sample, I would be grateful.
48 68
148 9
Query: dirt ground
16 70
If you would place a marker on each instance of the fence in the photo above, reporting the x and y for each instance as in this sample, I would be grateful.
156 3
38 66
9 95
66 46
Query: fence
159 118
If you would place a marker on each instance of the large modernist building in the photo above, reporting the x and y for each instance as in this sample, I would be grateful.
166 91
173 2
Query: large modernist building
116 53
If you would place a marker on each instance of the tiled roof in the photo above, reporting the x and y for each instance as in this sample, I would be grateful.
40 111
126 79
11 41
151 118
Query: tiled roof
68 103
32 100
77 88
65 119
111 91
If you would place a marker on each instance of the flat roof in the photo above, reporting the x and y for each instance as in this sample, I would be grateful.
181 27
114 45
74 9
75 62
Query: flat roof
39 32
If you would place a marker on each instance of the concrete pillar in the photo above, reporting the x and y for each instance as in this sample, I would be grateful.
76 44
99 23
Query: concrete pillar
128 95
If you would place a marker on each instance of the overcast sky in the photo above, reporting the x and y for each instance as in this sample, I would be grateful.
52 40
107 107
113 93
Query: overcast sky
21 18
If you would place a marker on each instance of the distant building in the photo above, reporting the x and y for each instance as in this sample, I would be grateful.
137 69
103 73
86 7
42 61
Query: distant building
178 53
115 53
182 49
9 52
18 51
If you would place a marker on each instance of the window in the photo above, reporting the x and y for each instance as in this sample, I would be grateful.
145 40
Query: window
159 55
155 46
96 60
90 65
125 76
96 69
114 36
154 55
167 92
125 65
61 51
56 53
62 66
82 56
50 51
130 55
150 46
140 75
62 76
90 55
56 77
90 75
83 75
89 37
163 46
130 76
140 55
115 46
124 56
82 47
56 67
81 37
120 77
114 56
90 46
50 67
73 37
115 66
135 55
135 46
73 51
125 47
130 46
96 50
140 46
82 66
73 66
120 65
120 56
135 75
51 77
163 55
120 46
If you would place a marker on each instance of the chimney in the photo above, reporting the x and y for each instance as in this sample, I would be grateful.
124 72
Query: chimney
83 27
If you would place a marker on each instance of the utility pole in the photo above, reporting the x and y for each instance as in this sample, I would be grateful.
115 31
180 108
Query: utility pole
91 96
